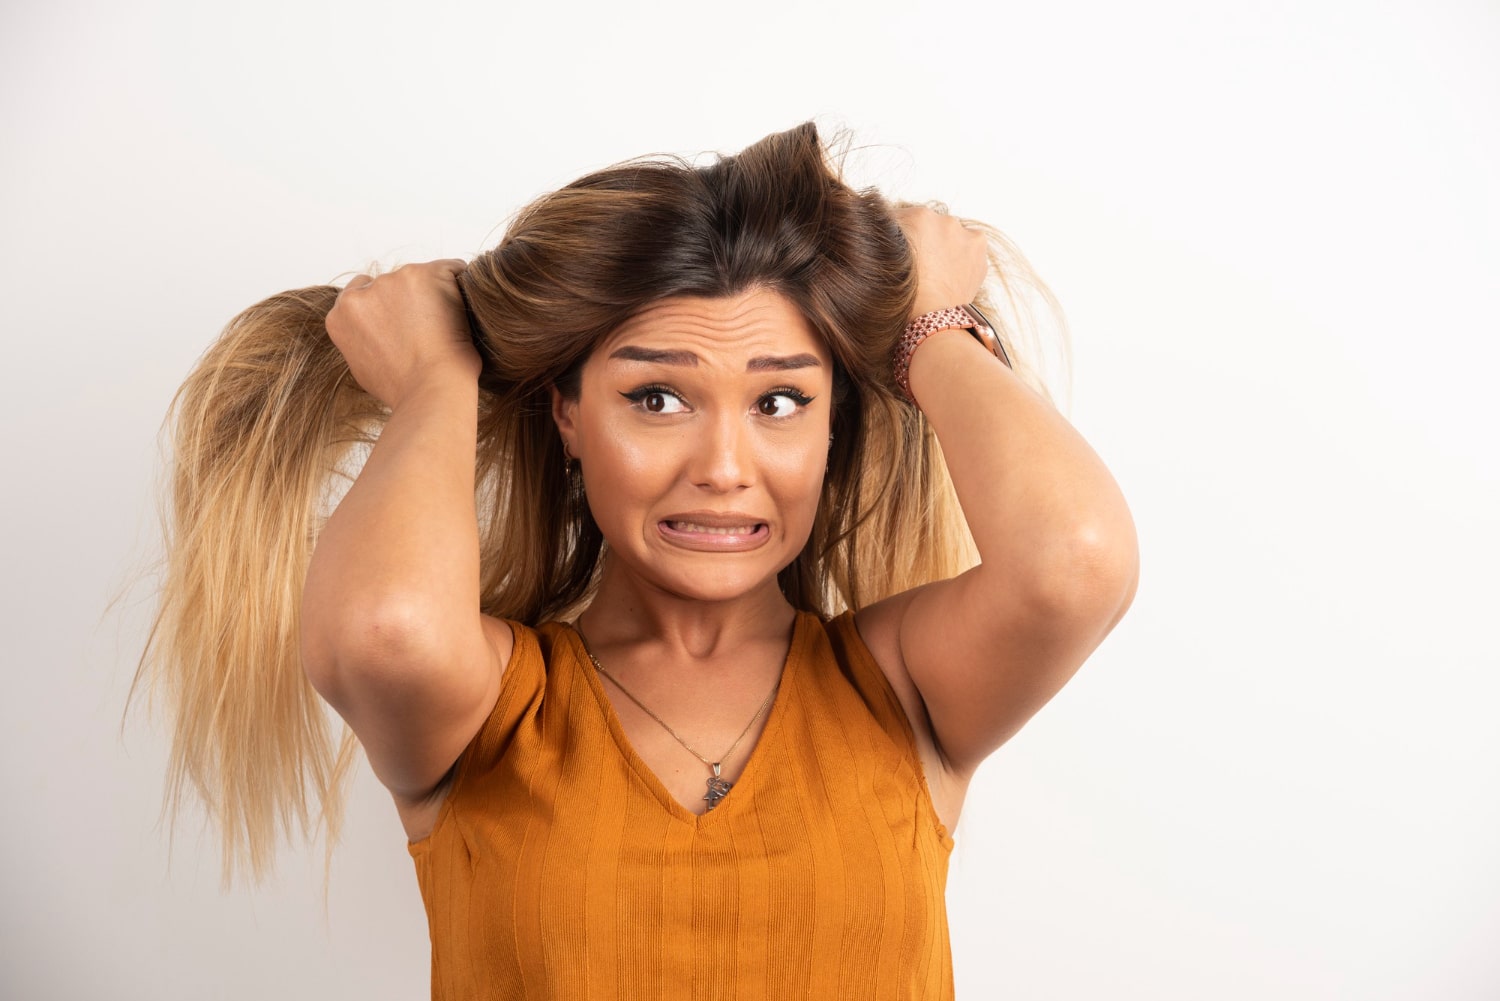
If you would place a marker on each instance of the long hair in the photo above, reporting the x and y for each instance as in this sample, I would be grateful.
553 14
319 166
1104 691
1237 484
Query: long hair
270 421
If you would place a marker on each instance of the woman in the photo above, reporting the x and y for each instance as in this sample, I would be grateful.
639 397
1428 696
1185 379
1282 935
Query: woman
679 688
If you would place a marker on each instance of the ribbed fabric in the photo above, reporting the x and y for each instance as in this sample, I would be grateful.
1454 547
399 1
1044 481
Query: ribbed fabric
560 867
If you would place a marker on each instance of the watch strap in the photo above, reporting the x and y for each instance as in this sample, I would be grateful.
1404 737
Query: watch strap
967 317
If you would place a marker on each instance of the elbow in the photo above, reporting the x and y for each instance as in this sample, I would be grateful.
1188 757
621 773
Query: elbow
351 646
1093 575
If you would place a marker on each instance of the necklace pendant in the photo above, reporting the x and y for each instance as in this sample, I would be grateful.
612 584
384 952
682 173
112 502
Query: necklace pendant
717 788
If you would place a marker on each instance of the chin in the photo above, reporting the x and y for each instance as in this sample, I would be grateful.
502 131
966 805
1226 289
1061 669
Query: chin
709 577
714 587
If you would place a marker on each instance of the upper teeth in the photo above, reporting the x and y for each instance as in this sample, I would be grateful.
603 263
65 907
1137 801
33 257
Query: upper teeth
688 526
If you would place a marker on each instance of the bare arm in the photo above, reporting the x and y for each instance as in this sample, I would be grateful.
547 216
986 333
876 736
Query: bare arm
990 647
392 635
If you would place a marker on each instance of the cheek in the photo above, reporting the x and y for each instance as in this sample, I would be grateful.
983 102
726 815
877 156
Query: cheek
628 471
795 469
632 456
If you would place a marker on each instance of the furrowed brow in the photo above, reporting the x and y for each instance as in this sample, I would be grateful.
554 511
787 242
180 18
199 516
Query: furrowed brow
782 364
630 353
764 363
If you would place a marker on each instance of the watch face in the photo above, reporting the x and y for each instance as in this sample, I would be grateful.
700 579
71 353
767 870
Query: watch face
985 331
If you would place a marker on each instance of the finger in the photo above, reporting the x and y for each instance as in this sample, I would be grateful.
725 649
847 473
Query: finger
358 281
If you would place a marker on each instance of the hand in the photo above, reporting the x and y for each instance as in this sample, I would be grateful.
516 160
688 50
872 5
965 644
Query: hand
951 260
402 329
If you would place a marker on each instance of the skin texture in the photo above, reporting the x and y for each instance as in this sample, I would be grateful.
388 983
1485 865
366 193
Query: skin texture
700 636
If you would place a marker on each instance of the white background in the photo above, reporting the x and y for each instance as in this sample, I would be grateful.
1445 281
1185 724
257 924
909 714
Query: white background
1273 227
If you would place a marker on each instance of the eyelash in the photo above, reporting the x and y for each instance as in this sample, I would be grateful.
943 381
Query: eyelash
637 397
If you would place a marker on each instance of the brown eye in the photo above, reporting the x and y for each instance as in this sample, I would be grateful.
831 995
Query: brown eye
656 400
784 403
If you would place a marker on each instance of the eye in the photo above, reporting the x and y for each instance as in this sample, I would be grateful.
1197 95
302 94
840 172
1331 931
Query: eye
656 400
782 403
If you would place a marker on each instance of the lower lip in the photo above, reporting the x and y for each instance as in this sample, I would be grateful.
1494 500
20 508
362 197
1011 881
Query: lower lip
715 542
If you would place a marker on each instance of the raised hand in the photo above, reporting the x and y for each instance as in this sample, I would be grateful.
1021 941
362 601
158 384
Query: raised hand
402 329
950 259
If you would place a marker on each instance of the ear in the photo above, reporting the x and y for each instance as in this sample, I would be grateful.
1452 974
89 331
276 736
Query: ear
565 416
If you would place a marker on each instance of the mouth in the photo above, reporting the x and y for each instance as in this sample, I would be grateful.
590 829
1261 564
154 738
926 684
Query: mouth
715 535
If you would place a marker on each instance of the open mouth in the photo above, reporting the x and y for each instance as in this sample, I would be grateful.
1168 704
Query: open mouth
714 538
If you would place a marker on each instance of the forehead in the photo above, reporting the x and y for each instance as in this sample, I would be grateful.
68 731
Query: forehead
759 329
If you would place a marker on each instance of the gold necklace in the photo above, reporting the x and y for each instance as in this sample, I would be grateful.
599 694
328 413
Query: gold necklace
718 787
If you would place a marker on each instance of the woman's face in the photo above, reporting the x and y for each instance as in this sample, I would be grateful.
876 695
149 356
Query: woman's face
701 427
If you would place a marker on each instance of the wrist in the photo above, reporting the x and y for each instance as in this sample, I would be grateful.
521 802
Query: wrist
932 368
438 385
929 304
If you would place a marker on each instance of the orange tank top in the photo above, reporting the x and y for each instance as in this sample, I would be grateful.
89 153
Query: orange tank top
560 867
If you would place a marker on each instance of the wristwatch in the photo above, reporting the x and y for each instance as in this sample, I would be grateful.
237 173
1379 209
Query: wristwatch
966 317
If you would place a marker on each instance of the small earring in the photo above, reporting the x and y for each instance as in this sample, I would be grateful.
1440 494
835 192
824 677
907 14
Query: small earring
567 461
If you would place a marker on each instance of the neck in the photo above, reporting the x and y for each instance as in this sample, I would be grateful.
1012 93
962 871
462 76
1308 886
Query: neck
627 611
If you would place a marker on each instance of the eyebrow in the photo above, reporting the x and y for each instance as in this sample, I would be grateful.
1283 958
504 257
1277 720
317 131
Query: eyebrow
764 363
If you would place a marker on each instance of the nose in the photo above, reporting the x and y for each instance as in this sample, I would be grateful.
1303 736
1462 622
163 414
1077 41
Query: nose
724 460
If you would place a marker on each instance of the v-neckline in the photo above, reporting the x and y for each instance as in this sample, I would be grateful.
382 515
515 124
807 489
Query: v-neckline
638 764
